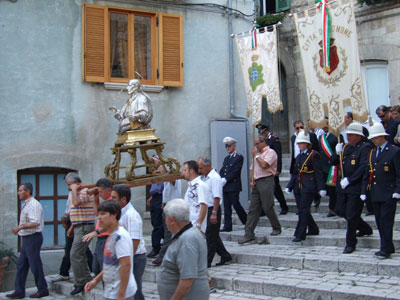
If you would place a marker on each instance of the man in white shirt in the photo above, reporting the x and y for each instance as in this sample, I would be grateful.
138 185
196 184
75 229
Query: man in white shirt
117 273
214 183
196 196
132 222
172 190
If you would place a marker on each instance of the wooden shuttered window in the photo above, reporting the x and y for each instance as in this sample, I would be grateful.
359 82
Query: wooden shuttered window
93 43
96 46
171 49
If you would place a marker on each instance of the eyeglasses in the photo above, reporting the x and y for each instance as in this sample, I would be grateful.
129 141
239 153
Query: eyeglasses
300 127
228 145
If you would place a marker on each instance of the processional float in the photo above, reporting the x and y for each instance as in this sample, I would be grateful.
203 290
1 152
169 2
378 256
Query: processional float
136 137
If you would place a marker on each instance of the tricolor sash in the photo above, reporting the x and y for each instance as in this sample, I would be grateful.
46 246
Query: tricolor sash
332 175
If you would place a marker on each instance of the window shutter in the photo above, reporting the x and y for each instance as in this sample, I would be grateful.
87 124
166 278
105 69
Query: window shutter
281 5
93 43
171 49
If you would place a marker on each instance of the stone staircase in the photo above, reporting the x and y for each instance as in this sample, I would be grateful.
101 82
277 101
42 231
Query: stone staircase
273 267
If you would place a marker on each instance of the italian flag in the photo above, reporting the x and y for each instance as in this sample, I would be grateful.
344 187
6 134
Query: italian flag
332 175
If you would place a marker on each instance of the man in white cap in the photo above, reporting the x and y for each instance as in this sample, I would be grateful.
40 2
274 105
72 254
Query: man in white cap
354 162
382 178
230 174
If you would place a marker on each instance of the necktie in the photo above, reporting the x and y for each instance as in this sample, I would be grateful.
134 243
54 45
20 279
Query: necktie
378 152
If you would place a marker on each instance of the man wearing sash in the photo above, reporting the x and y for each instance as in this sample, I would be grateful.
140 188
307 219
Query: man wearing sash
354 160
382 178
327 144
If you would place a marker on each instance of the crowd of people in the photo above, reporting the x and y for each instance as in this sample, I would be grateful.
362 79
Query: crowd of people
360 166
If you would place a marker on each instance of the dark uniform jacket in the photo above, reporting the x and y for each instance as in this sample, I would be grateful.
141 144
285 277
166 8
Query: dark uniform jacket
382 174
354 162
274 143
391 129
314 145
231 170
307 177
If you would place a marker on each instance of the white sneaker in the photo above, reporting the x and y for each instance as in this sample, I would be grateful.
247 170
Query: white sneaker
59 278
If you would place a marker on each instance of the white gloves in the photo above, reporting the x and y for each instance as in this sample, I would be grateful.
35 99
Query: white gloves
322 193
396 195
339 148
287 191
344 182
363 197
223 181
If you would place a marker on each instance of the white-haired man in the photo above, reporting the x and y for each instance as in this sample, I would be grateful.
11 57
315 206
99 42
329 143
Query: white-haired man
183 273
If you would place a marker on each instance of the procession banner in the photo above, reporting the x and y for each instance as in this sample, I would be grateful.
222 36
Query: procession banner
259 60
329 50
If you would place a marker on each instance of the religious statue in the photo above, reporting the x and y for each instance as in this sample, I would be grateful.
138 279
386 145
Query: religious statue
137 112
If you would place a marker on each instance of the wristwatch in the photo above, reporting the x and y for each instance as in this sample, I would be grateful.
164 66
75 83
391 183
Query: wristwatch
97 231
198 225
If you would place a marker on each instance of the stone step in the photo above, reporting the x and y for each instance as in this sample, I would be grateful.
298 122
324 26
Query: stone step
300 283
323 222
327 237
316 258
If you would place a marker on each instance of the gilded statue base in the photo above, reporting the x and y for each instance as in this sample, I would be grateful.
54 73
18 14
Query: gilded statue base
143 141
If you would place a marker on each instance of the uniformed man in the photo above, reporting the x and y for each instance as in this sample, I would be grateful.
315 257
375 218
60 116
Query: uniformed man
354 160
274 143
230 174
306 181
382 178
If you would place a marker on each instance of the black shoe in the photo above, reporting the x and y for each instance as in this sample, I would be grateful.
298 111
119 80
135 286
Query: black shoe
283 212
349 249
368 213
39 295
223 261
317 203
330 214
153 253
382 254
77 290
297 240
15 296
361 234
226 230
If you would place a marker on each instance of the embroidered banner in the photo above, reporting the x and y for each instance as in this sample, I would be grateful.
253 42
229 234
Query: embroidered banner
331 89
260 72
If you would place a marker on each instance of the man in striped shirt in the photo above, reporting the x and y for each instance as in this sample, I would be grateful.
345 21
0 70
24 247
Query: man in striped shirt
82 218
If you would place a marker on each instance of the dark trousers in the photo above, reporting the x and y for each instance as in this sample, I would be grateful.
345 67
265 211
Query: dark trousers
331 191
139 264
98 255
232 199
156 221
384 217
279 195
66 261
214 242
166 241
30 258
306 221
354 206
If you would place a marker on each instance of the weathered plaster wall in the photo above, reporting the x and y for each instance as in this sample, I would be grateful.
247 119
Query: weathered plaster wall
49 117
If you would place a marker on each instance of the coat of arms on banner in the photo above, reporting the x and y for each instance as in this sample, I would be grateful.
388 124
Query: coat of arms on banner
331 89
258 64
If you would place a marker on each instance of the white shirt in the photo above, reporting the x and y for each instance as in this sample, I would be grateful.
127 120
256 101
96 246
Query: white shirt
118 245
132 222
214 184
32 212
172 191
196 193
